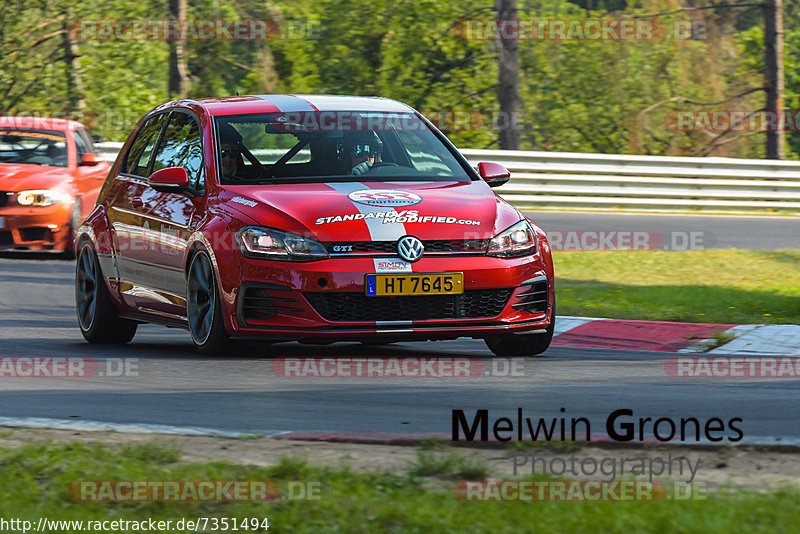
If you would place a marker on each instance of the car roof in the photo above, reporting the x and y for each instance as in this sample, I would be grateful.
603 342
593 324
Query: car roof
235 105
39 123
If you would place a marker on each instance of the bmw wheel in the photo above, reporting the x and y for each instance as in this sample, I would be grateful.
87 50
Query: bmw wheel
203 309
97 315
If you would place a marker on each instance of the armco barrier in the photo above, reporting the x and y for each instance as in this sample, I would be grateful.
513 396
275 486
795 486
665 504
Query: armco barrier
645 183
565 180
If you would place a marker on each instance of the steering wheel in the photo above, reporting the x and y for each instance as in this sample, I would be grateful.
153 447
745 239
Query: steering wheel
384 164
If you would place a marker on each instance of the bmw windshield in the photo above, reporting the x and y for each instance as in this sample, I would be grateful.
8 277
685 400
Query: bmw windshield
33 147
296 147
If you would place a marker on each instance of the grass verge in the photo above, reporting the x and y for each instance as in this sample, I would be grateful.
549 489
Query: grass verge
700 286
36 476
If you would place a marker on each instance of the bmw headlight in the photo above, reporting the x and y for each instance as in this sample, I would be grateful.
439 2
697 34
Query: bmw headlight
268 243
518 240
41 197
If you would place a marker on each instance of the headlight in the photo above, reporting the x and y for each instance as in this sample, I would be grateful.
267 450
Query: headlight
258 242
519 240
41 197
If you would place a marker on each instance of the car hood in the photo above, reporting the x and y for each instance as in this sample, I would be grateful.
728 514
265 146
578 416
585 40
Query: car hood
376 211
19 177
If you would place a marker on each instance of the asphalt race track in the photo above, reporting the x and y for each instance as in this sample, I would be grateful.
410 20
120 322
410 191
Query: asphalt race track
171 385
715 231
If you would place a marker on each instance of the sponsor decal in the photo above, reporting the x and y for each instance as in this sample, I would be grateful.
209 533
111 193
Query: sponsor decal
396 217
384 197
392 266
246 202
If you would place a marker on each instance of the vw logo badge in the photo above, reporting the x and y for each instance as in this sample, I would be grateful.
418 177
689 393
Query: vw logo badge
410 248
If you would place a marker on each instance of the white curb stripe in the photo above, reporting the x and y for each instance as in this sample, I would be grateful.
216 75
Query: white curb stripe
565 323
144 428
774 339
704 345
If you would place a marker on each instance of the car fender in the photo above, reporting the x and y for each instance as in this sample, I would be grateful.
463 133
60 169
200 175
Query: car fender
216 239
100 233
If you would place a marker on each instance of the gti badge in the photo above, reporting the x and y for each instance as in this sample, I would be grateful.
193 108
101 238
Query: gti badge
410 248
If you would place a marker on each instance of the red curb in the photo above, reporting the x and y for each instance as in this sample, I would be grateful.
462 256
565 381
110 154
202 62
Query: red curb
409 438
398 438
660 336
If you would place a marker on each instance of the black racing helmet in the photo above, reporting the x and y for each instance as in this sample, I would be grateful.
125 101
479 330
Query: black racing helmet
229 135
366 143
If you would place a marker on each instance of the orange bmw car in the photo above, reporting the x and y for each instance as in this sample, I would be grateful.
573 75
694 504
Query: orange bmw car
50 176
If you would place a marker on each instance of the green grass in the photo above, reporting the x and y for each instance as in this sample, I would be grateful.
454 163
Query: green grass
35 478
702 286
448 465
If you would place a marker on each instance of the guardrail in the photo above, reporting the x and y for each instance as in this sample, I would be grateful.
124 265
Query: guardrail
645 183
565 180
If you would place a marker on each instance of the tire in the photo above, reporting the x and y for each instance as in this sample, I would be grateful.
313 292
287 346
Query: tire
203 309
97 316
522 344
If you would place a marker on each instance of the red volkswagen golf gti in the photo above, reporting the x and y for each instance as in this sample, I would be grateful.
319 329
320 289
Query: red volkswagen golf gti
315 218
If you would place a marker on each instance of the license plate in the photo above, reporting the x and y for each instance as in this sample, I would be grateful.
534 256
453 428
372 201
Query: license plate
2 222
378 285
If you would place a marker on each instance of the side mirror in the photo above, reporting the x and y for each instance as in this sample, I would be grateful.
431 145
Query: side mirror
90 160
170 180
493 173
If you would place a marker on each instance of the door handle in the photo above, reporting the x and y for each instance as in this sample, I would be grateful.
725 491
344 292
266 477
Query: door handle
136 202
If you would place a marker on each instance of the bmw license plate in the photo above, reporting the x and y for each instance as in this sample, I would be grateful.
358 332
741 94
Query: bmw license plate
380 285
2 222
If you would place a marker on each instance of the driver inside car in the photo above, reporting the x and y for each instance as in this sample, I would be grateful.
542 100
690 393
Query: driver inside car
365 151
230 152
57 154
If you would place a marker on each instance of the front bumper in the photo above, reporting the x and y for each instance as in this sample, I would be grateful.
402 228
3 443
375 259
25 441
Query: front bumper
325 299
35 228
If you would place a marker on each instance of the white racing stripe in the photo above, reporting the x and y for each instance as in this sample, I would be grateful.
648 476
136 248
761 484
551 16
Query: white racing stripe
377 230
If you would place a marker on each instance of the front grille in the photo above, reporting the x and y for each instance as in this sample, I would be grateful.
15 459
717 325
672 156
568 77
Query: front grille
390 247
35 233
6 239
473 304
4 198
534 298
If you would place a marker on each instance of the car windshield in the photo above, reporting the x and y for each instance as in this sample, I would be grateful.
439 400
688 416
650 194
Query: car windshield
332 146
33 147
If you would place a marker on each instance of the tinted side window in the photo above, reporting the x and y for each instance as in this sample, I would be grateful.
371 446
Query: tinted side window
87 139
138 159
80 145
181 147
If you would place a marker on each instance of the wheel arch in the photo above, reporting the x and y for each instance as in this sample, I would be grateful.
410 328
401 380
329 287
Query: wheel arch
216 240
